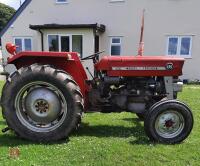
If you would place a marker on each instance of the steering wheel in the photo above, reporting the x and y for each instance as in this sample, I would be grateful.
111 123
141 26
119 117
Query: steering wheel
94 56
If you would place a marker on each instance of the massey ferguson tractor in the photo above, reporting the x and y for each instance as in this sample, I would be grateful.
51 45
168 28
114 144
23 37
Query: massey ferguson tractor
45 98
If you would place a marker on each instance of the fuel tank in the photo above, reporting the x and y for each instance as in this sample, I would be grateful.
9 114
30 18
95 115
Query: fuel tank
141 65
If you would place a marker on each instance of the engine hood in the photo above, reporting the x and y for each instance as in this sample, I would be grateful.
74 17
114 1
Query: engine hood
141 65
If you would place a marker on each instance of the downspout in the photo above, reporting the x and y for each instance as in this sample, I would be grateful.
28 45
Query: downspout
42 39
94 34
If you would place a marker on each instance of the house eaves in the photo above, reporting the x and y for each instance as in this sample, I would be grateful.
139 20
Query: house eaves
15 16
98 27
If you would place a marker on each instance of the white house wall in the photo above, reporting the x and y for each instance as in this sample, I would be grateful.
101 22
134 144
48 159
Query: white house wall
162 18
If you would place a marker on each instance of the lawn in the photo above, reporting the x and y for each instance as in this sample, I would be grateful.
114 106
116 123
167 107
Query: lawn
108 139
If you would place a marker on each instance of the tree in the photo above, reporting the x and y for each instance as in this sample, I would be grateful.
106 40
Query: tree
6 13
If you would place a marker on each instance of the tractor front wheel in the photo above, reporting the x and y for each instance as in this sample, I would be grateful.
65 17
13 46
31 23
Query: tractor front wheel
41 103
168 121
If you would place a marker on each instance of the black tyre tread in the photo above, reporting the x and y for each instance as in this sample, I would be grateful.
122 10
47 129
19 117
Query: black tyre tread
155 109
3 97
44 69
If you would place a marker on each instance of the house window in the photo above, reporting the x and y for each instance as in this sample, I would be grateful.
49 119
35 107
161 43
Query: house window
53 42
179 45
61 1
77 44
66 43
23 44
115 46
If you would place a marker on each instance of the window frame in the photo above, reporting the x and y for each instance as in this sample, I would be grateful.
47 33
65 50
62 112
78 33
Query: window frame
113 1
115 44
57 2
70 41
179 37
23 41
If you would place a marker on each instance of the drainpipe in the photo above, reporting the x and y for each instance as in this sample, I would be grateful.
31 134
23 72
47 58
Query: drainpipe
42 39
94 34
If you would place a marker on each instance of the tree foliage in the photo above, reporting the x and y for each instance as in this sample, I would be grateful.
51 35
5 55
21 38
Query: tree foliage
6 13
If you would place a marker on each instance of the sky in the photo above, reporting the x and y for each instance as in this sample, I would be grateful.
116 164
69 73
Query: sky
13 3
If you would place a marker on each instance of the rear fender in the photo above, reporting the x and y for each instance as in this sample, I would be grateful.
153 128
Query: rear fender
68 62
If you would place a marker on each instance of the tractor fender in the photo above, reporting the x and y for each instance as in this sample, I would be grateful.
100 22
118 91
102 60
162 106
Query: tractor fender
66 61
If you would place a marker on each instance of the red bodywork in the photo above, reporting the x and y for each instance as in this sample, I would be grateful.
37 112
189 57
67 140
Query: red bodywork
68 62
114 66
140 66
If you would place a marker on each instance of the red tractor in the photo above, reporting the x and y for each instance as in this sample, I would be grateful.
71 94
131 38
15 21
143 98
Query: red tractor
46 97
44 100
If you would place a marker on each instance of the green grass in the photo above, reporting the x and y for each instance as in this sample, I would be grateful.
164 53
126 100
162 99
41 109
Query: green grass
109 139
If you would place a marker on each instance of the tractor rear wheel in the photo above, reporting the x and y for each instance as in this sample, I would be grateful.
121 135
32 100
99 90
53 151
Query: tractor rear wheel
41 103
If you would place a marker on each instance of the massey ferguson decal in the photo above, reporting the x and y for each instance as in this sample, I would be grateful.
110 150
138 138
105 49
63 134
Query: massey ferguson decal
169 66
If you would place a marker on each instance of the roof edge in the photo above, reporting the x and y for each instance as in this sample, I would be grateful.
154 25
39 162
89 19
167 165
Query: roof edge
15 16
99 27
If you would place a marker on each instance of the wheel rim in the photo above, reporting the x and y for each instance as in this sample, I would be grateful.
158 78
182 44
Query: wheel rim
169 124
40 106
